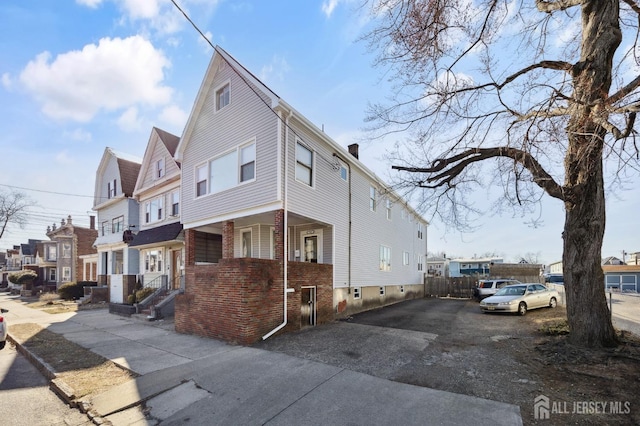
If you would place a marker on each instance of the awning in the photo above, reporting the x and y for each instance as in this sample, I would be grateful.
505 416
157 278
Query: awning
159 234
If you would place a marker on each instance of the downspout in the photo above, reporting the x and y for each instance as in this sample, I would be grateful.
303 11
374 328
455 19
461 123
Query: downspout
350 226
285 235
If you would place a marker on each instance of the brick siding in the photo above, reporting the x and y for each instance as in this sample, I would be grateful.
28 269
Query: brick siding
241 299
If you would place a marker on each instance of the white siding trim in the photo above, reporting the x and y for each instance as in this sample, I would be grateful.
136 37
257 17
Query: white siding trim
233 215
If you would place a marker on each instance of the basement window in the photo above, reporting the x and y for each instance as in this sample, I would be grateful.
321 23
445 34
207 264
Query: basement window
381 291
356 292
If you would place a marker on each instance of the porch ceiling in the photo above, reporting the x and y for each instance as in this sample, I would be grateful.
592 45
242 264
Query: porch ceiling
262 219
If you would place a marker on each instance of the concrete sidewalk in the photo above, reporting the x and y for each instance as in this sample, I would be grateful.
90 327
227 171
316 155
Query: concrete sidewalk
203 381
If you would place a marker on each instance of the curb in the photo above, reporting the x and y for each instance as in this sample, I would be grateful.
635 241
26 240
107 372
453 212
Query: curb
61 388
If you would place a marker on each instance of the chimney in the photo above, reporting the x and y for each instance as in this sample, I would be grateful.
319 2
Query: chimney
353 149
69 220
92 222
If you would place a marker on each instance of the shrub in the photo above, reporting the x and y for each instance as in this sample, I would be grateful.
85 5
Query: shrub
26 276
131 299
48 298
144 293
71 291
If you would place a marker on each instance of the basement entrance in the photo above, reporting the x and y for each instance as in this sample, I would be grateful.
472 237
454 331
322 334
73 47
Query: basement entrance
308 307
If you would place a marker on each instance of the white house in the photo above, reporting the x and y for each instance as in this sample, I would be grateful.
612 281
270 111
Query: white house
305 229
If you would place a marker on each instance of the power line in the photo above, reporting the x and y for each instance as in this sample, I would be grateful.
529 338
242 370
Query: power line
46 192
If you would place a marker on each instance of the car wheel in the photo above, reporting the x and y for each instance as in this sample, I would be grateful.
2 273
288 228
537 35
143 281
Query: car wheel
522 308
553 302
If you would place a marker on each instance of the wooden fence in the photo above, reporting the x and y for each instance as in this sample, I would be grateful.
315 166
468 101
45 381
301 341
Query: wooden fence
449 287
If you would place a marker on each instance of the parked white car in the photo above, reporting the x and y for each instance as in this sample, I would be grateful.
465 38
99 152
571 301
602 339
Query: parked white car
520 298
3 328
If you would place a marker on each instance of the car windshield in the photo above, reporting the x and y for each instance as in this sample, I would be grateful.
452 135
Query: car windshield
555 279
512 291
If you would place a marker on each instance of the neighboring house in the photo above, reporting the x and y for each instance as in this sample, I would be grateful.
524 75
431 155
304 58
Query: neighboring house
612 260
28 253
634 258
474 267
284 227
118 216
555 268
437 267
160 239
71 244
624 278
46 259
12 263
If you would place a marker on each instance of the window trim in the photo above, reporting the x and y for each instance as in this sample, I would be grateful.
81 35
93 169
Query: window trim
373 198
175 206
197 168
66 274
220 88
385 250
242 233
116 220
311 167
405 258
388 208
159 168
206 166
247 144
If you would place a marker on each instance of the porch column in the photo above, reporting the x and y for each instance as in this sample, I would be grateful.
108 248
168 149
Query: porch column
227 240
279 234
190 246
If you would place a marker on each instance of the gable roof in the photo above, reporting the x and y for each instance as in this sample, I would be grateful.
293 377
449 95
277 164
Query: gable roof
170 143
128 175
128 168
169 140
221 57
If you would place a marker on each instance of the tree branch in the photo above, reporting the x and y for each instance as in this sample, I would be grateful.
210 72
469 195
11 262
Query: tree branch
444 170
552 6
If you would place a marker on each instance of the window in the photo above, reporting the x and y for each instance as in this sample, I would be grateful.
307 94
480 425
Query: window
401 289
175 203
343 172
227 170
388 209
419 263
52 253
66 274
223 172
117 224
246 243
159 168
201 180
111 189
153 210
381 291
52 274
248 163
372 199
419 230
153 261
405 258
222 97
304 164
66 250
105 228
385 258
356 292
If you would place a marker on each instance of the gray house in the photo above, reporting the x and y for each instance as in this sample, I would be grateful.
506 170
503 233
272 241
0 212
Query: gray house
307 231
118 217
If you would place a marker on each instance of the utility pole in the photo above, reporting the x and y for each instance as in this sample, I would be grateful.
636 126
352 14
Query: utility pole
624 254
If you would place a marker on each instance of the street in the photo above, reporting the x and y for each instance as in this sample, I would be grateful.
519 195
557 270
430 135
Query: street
26 398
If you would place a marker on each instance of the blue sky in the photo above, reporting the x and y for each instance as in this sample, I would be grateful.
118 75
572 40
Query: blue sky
77 76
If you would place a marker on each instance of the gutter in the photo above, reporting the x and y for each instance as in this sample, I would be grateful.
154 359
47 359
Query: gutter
285 236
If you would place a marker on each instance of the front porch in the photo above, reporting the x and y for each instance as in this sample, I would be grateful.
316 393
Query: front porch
235 285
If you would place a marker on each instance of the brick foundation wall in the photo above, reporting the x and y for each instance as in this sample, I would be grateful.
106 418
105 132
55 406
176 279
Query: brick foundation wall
241 299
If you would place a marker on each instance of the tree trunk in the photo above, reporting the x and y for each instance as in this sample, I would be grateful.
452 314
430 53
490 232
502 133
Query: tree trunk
587 313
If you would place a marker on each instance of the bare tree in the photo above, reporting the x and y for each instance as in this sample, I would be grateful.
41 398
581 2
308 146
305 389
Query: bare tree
13 209
533 96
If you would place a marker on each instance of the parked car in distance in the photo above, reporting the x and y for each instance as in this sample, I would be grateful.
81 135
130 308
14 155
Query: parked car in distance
488 288
3 328
554 279
520 298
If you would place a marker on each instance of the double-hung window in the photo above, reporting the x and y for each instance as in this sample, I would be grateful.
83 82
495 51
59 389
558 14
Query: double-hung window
222 97
304 164
372 199
201 180
52 253
111 189
419 230
248 163
385 258
175 203
153 210
66 274
388 209
105 228
153 261
66 250
160 168
117 224
52 274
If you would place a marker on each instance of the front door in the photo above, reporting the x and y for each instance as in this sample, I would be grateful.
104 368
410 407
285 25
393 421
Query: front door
308 307
176 269
311 242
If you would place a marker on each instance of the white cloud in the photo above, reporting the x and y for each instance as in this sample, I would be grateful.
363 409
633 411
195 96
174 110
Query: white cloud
328 6
276 70
115 74
173 116
89 3
129 120
63 158
7 81
77 135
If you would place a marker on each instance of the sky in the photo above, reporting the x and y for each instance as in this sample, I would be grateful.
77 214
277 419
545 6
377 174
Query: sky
77 76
